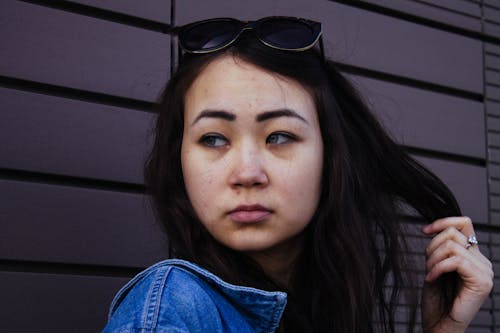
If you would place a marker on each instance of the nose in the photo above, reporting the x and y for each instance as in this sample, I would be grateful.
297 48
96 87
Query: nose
247 169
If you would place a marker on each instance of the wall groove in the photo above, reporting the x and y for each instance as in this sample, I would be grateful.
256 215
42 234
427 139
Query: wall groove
446 9
65 234
76 94
67 268
409 82
103 14
62 180
420 20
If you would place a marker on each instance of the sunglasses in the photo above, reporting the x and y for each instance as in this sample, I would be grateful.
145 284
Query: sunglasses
279 32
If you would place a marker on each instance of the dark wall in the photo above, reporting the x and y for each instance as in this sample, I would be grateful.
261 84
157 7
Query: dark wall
78 80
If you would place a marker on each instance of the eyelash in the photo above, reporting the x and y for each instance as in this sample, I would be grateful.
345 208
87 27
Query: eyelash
214 136
289 138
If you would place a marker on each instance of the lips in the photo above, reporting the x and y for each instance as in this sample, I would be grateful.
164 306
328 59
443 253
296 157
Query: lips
249 213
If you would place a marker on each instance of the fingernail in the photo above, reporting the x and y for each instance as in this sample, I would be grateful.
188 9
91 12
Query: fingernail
426 228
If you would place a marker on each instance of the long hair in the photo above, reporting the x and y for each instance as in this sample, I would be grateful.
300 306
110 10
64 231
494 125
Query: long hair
354 244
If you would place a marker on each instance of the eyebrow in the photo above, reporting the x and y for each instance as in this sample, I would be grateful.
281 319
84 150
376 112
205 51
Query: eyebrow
267 115
278 113
215 114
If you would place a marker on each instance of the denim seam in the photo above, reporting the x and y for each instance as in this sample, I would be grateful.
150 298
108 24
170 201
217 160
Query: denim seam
124 290
160 272
150 315
217 280
276 316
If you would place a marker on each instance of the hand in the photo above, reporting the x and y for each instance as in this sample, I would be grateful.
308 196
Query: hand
447 252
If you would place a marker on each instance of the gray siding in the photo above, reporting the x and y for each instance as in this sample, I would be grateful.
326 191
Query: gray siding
78 80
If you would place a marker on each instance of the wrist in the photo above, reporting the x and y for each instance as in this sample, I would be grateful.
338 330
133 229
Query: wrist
446 325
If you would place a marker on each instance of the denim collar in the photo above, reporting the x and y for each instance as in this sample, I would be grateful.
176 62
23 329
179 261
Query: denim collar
261 308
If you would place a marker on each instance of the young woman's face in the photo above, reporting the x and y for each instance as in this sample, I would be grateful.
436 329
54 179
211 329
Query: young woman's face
252 155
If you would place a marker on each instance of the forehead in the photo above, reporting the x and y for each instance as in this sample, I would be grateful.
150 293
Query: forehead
232 84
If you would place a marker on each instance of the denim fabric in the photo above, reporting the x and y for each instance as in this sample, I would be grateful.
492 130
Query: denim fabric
178 296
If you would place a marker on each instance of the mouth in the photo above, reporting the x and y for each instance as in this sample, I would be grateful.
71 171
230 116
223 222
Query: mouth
249 213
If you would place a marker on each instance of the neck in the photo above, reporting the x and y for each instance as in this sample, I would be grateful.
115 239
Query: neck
278 261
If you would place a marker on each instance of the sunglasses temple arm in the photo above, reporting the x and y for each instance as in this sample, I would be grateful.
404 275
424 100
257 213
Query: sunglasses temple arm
322 48
179 53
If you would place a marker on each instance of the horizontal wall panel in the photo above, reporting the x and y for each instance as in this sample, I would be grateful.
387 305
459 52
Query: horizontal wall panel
492 77
401 316
361 38
389 45
66 49
495 217
493 92
455 17
481 322
496 297
491 14
492 61
70 137
468 184
466 7
496 268
485 329
495 239
494 183
495 250
462 6
492 48
494 124
425 119
413 229
494 139
63 224
492 29
495 202
494 155
492 3
35 302
156 10
493 108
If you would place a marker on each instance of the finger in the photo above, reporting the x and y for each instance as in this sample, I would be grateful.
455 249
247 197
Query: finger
458 245
450 233
461 223
448 248
474 276
477 283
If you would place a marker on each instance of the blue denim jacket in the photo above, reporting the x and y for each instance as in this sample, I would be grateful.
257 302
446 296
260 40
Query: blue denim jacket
179 296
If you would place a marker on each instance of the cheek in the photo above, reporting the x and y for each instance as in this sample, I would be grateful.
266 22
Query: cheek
300 186
300 182
202 180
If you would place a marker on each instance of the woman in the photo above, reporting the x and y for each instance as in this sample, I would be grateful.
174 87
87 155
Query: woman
270 175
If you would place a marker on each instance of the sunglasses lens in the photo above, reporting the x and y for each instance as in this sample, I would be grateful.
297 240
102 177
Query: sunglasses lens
209 35
287 34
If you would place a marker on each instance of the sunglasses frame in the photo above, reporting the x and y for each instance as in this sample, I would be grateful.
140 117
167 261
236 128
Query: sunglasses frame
250 25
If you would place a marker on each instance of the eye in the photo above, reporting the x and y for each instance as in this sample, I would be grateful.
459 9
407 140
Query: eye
279 138
213 140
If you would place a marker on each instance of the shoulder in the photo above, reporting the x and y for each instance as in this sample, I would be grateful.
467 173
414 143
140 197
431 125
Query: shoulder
178 296
169 296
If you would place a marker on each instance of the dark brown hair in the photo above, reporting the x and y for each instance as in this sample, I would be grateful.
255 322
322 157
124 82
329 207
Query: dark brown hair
354 244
